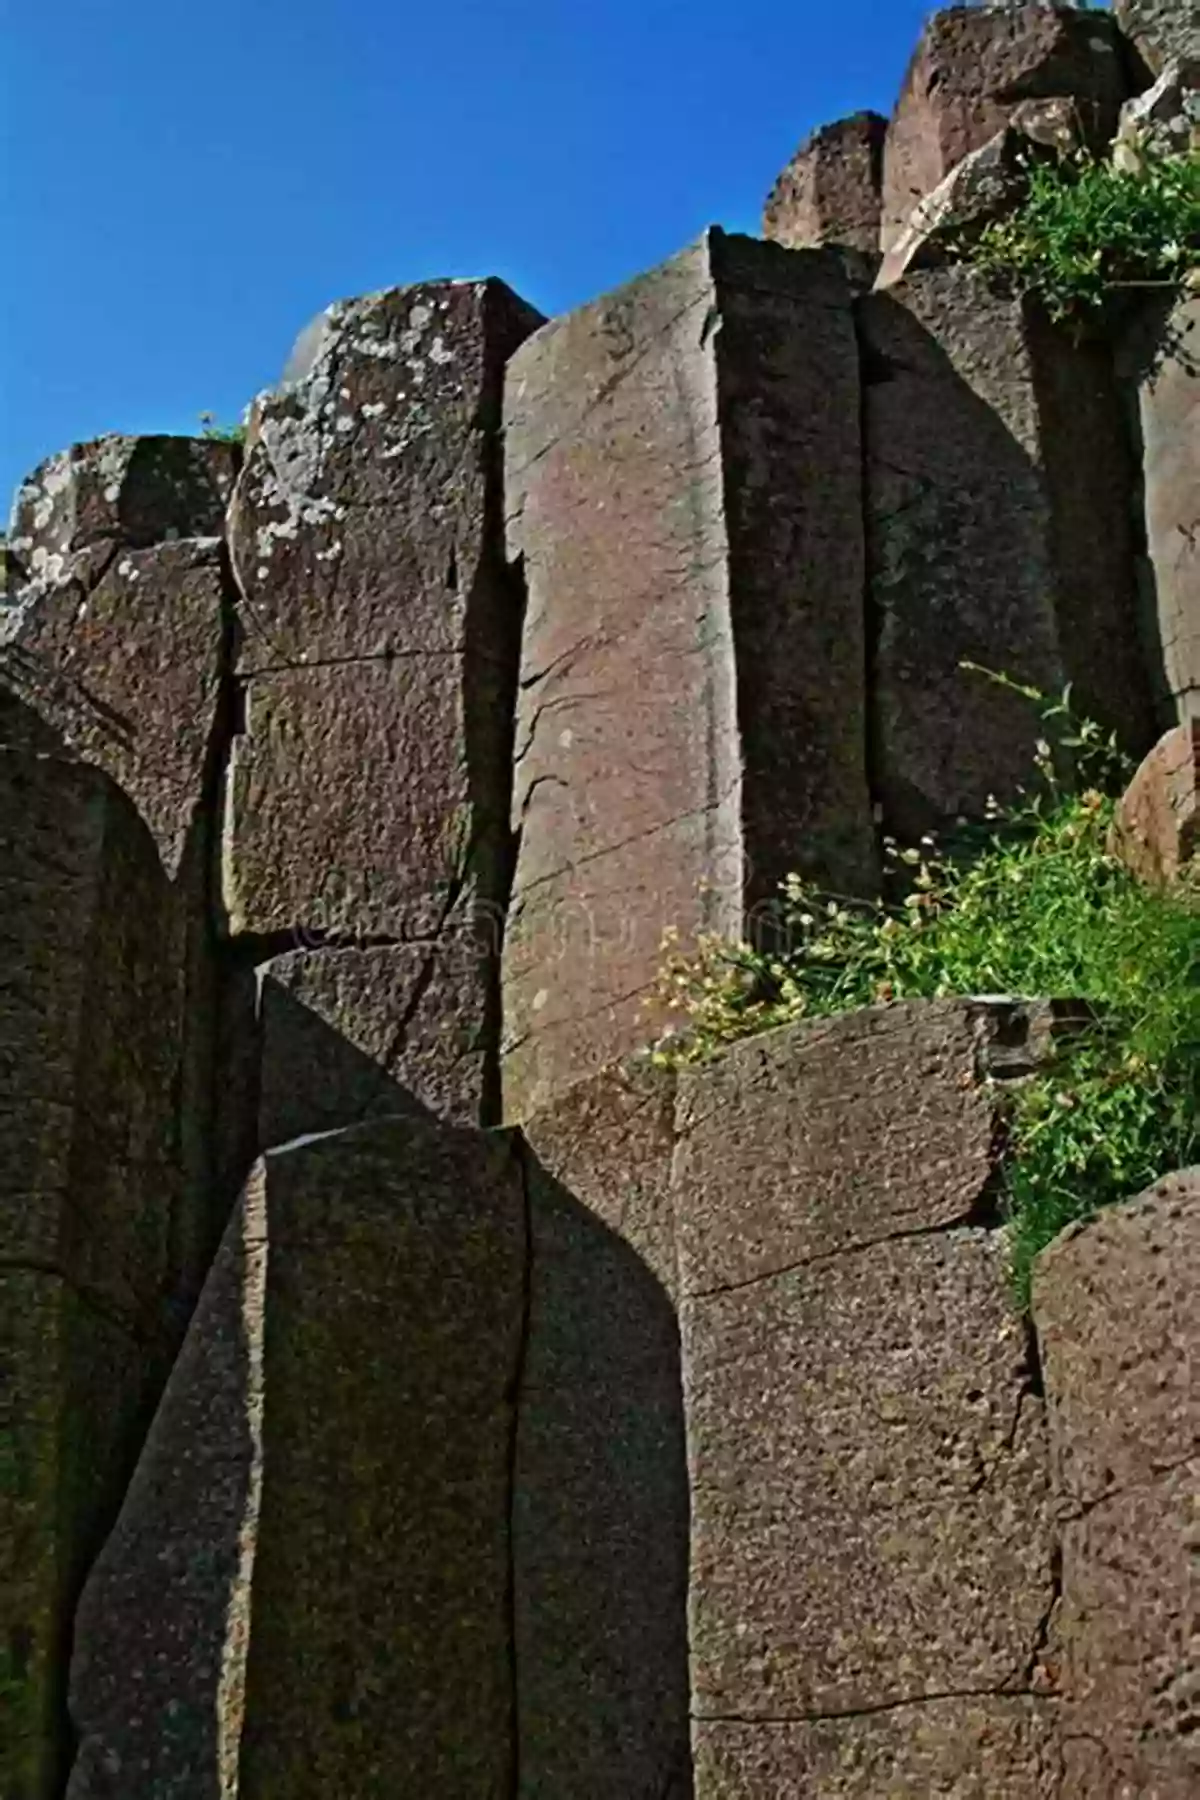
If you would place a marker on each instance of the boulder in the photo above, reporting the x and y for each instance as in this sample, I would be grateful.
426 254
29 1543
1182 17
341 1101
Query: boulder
683 479
1156 828
865 1440
971 69
998 476
1159 30
1165 119
986 185
308 1588
1114 1305
829 193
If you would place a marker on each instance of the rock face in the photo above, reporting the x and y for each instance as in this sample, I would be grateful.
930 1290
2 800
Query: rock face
861 1414
600 1516
983 187
90 1192
1159 360
1114 1306
116 494
971 69
1165 119
683 491
1160 30
1156 831
830 191
998 533
327 1592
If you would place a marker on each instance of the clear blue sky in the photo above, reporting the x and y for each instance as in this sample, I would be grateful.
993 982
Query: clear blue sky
184 185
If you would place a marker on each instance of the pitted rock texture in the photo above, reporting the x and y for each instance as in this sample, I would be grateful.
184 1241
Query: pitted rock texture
353 1034
331 1591
90 1199
1159 359
124 658
830 191
1156 828
983 187
998 476
972 67
600 1508
380 630
683 492
866 1445
1114 1305
1160 30
117 493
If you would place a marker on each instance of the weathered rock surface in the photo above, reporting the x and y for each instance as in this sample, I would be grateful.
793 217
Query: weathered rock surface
998 475
830 191
1156 829
369 790
983 187
1159 359
971 69
1164 120
1160 30
866 1446
123 655
600 1514
117 493
683 478
1114 1305
90 1192
326 1589
353 1034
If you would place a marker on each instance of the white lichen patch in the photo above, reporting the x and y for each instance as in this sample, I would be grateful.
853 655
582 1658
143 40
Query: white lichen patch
373 409
439 353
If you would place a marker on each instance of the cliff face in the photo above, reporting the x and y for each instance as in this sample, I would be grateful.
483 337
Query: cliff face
406 1390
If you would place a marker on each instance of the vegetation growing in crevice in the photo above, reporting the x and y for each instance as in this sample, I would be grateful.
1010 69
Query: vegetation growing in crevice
1088 231
221 434
1030 904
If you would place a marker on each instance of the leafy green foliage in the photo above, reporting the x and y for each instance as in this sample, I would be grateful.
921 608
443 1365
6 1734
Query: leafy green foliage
1087 230
221 434
1032 905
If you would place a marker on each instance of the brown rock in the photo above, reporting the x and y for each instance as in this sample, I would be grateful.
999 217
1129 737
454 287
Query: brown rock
320 1604
998 475
972 67
988 1747
355 1034
830 191
124 658
117 493
369 792
683 479
1160 30
1114 1304
1156 829
865 1445
90 1192
1159 359
600 1516
983 187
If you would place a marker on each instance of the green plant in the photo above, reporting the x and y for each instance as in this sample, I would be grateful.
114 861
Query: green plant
1032 904
222 434
1087 230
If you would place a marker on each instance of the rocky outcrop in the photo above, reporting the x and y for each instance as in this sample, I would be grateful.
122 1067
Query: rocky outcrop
310 1579
1114 1304
1164 120
1159 361
982 188
829 193
998 533
1156 827
972 68
91 1202
683 477
1160 30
